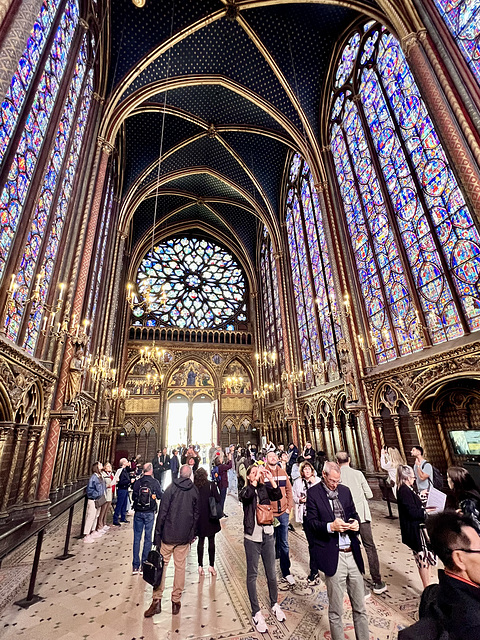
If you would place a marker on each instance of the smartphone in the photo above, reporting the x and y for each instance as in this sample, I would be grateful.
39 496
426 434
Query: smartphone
350 520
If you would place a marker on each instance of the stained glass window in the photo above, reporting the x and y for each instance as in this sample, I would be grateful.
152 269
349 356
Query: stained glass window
58 220
15 98
193 283
462 17
102 240
271 307
315 299
46 197
416 248
13 196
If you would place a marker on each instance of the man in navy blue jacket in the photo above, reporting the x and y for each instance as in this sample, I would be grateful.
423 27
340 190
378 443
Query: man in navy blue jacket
332 524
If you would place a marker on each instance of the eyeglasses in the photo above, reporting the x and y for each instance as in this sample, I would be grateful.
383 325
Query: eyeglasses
466 550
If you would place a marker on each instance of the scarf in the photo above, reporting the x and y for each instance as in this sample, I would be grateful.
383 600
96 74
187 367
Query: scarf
338 511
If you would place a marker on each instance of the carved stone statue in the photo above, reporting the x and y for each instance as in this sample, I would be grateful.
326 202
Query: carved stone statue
75 373
349 381
287 403
107 402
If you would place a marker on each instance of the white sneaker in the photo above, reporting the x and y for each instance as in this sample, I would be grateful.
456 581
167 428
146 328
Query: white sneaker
290 579
88 539
281 617
106 528
260 624
96 534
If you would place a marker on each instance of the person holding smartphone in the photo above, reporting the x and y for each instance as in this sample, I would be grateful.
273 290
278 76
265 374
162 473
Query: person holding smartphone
259 541
332 524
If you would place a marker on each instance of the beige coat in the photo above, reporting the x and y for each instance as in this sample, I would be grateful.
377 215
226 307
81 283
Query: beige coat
360 490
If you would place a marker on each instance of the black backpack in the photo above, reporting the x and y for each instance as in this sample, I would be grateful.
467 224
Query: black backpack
144 500
215 474
438 479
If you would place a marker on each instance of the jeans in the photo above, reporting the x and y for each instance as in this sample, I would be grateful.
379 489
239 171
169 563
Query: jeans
223 496
282 550
142 521
121 506
347 577
232 481
253 551
371 551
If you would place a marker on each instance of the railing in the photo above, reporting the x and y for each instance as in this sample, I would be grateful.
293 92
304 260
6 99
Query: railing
190 335
17 535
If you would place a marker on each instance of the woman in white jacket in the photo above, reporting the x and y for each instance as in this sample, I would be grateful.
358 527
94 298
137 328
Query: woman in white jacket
307 479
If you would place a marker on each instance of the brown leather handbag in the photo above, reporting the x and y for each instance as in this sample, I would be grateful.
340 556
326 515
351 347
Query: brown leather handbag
264 514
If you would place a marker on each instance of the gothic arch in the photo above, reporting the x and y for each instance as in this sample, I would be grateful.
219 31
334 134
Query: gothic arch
434 385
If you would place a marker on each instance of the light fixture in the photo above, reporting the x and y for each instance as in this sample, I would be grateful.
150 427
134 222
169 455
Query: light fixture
101 370
139 3
120 393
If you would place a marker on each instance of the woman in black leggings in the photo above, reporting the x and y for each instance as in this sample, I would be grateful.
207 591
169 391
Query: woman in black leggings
207 528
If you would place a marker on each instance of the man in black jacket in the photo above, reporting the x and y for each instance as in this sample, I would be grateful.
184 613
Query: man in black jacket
451 609
332 524
146 491
161 464
174 533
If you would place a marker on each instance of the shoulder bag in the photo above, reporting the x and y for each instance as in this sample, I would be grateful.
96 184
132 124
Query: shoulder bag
214 508
99 502
264 514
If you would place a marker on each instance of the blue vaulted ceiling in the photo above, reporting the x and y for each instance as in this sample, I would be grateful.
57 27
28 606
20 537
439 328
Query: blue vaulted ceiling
236 80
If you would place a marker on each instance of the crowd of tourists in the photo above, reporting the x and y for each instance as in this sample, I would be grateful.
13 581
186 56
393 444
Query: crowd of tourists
284 489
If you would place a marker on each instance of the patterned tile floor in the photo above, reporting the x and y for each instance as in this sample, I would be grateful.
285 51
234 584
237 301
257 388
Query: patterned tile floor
93 595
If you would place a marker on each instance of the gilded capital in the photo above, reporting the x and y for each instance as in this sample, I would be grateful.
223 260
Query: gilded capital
408 42
105 145
84 24
96 96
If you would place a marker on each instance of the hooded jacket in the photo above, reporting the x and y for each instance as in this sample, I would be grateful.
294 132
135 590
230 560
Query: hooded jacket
178 515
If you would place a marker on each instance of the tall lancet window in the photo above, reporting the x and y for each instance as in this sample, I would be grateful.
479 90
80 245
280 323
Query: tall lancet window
462 18
414 242
271 307
37 175
315 300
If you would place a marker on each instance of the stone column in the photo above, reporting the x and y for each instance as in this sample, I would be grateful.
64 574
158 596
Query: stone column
443 441
6 430
432 84
20 431
417 421
104 152
351 445
378 425
26 478
396 422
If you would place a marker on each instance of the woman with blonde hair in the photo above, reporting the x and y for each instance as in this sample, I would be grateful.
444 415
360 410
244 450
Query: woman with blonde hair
412 516
390 459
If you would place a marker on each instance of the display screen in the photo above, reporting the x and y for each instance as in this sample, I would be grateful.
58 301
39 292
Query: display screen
466 443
